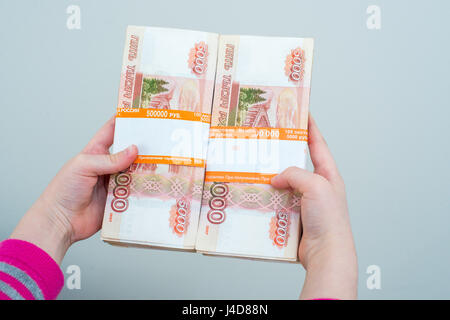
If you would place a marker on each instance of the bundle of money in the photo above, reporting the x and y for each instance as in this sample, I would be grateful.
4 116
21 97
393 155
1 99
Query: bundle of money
164 106
258 128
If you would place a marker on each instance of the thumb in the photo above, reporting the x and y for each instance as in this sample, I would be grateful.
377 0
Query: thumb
101 164
297 179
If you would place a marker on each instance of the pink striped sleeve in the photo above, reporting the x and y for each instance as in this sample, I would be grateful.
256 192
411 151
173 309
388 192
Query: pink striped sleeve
4 296
28 272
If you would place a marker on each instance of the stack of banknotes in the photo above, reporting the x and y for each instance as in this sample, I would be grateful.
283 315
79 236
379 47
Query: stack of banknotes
254 93
156 202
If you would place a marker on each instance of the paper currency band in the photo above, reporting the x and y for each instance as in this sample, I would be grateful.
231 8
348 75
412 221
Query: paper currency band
163 114
183 161
238 177
258 133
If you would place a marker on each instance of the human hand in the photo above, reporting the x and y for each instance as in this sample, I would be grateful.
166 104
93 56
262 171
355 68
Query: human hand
71 207
326 247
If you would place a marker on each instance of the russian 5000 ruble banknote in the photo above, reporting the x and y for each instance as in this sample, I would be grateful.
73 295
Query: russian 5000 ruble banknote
258 128
166 85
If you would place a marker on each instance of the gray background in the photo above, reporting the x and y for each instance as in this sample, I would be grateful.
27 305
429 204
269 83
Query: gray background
381 98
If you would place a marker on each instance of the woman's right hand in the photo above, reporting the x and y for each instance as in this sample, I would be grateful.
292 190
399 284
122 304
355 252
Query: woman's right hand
326 247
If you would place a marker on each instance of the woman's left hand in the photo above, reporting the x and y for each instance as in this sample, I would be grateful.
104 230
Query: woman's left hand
71 207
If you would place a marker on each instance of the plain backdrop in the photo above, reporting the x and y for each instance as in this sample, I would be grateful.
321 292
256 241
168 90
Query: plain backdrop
380 97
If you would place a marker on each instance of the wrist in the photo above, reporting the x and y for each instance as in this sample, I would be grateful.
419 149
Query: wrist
328 247
331 270
46 229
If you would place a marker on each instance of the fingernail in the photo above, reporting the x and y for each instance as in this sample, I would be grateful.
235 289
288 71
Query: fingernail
129 150
274 178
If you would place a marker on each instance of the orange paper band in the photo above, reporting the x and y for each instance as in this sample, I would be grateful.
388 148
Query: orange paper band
258 133
163 114
239 177
183 161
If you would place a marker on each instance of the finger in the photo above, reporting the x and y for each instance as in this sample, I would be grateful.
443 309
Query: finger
321 156
103 139
298 179
101 164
